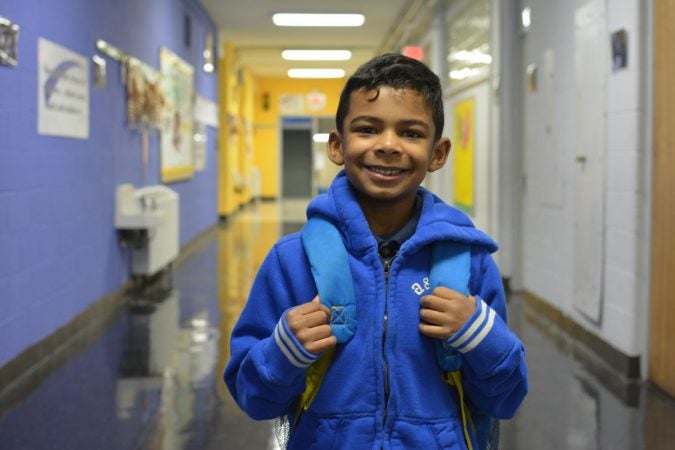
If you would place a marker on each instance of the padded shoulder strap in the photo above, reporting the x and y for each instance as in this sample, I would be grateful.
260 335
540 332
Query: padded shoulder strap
450 267
329 262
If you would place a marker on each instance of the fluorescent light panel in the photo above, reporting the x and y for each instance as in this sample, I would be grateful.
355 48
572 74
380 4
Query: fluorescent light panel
318 20
316 55
316 73
320 138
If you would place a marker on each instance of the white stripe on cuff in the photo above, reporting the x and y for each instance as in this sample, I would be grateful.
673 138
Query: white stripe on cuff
480 336
289 349
474 326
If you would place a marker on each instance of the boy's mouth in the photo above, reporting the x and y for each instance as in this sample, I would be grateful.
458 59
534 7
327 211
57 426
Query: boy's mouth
386 171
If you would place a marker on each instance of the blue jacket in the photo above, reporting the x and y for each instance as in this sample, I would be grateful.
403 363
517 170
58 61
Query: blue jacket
384 388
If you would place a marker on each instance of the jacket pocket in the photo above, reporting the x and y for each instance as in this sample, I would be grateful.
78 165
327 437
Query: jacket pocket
442 435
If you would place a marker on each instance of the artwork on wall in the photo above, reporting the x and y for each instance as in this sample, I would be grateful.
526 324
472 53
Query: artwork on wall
291 104
9 40
145 99
463 146
177 157
619 50
63 91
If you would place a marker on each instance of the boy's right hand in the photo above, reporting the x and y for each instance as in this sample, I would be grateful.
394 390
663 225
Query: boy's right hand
309 323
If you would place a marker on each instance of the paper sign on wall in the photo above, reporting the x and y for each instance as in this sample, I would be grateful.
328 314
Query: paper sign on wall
177 134
464 126
63 91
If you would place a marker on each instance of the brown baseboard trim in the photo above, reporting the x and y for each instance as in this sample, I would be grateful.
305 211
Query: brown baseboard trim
622 371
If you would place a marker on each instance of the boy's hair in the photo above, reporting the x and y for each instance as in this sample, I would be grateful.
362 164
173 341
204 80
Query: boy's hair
398 72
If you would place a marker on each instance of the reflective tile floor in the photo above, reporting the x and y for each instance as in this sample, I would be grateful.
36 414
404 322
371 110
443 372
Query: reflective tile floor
152 379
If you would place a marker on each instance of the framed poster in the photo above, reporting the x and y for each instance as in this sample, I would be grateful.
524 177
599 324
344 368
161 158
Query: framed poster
177 157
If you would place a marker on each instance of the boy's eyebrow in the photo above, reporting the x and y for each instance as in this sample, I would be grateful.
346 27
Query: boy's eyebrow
408 122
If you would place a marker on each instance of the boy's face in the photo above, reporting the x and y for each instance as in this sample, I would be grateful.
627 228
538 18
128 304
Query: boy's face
387 145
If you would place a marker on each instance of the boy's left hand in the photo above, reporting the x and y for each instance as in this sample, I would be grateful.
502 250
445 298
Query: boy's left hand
444 312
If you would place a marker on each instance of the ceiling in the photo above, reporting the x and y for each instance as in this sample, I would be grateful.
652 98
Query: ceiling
248 26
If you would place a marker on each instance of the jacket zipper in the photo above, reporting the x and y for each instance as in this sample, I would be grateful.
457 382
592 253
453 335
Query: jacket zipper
387 266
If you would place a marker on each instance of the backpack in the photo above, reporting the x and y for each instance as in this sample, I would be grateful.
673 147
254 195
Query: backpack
329 263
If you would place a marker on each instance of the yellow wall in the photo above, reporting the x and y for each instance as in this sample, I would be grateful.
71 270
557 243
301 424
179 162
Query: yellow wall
267 121
235 158
227 134
250 128
245 187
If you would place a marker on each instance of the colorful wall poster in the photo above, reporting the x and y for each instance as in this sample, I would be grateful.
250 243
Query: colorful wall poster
177 125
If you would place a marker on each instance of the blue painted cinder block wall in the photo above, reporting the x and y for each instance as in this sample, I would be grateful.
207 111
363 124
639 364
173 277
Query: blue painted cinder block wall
59 251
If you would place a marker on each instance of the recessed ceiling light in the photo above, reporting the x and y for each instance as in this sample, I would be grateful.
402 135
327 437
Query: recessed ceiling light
318 20
316 73
316 55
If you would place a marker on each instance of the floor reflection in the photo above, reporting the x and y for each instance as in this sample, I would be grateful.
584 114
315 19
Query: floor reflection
153 379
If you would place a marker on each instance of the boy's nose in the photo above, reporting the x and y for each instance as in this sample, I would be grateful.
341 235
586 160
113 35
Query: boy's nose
390 142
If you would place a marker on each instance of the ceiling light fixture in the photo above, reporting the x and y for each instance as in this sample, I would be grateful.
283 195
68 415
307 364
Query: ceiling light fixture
318 20
316 55
316 73
320 138
471 57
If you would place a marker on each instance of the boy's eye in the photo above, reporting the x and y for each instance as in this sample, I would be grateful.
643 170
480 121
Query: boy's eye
412 134
366 130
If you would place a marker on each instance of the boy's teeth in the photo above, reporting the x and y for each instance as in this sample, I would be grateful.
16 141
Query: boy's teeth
387 172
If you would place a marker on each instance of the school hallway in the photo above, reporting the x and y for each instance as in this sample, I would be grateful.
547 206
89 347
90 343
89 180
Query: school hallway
150 378
151 153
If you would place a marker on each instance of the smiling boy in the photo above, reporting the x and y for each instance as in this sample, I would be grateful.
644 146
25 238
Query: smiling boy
384 388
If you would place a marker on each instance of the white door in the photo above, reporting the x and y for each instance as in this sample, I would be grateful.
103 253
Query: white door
591 60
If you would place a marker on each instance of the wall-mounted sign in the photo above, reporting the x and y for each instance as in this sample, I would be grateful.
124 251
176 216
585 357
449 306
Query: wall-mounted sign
63 91
291 104
463 169
619 50
9 40
316 101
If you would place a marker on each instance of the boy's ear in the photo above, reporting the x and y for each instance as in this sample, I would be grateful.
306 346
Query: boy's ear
439 154
335 153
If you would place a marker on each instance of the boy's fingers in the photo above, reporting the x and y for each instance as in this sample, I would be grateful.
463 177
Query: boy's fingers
444 292
432 317
321 345
316 299
434 331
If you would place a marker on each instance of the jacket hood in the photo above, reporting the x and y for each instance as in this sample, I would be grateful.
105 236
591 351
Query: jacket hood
438 220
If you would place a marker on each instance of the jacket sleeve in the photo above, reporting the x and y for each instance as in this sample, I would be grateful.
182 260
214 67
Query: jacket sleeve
494 371
267 367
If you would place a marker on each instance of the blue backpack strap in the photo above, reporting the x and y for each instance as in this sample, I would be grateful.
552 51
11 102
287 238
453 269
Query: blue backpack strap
329 263
450 267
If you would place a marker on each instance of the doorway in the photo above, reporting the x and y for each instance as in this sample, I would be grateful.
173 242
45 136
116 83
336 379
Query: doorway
589 176
297 165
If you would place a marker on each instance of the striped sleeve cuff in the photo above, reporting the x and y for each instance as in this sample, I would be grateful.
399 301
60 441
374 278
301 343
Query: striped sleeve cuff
475 330
290 347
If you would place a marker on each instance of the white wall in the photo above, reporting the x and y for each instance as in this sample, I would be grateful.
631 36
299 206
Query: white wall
549 165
